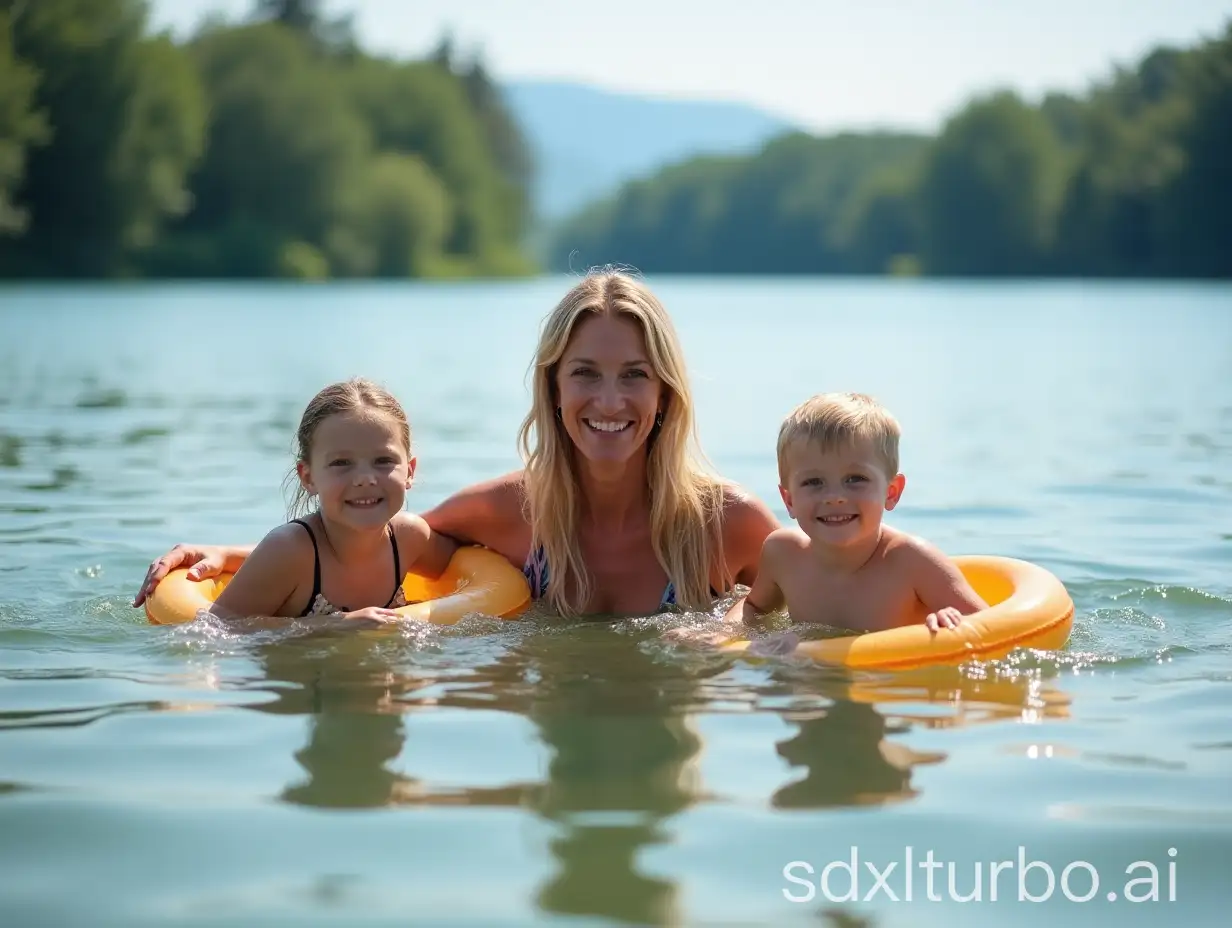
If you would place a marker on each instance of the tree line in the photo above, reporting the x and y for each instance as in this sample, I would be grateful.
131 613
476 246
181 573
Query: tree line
1131 179
270 147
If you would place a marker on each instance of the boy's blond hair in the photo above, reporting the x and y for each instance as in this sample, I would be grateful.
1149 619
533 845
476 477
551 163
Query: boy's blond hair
834 420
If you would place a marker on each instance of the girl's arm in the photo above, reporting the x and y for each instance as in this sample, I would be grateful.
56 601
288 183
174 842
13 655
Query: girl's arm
259 596
265 580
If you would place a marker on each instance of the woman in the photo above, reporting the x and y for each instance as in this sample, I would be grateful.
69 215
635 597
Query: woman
612 514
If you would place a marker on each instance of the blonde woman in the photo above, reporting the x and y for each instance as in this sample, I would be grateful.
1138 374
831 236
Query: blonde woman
612 513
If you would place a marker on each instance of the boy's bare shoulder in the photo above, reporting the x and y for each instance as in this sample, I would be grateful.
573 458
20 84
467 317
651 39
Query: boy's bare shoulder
915 553
783 542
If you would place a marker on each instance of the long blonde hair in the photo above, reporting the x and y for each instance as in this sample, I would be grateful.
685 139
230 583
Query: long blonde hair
686 503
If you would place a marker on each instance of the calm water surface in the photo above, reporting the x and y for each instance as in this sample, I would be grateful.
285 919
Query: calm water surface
552 772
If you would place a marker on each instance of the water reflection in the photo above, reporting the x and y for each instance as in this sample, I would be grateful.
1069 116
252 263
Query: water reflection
623 753
847 760
617 727
625 758
355 728
847 744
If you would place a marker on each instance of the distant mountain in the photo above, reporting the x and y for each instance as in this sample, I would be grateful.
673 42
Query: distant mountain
587 141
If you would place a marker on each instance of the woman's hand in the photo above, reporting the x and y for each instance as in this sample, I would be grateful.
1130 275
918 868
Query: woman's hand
202 560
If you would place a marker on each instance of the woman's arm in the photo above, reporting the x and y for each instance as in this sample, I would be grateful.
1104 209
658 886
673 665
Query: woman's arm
201 560
488 514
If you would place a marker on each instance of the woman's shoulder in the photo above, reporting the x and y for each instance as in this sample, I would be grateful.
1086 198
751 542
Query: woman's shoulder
489 513
742 508
498 494
747 522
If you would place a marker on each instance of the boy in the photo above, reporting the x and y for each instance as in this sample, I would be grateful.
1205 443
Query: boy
838 472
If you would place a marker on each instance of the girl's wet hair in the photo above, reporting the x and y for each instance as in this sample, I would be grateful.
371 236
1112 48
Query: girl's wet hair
354 395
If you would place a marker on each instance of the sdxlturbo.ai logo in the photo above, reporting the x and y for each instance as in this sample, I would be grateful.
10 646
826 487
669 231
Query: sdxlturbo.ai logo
1021 880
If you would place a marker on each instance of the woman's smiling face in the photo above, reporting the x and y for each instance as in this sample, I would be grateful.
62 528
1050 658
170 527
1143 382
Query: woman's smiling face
607 390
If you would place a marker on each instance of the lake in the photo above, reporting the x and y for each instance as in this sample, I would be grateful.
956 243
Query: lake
544 771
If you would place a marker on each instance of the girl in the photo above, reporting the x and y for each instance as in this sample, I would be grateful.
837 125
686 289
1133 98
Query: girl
347 559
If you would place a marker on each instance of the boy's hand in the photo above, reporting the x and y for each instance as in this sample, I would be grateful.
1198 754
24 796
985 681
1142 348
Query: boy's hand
949 617
698 638
777 645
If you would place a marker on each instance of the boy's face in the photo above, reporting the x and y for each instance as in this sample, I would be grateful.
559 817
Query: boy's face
838 496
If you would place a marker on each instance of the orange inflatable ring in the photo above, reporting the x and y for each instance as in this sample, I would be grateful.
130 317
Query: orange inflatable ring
476 581
1028 608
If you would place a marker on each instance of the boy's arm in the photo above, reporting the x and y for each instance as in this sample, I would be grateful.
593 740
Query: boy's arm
942 588
765 595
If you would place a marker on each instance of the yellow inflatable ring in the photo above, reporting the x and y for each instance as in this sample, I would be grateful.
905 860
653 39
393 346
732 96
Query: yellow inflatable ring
476 581
1028 608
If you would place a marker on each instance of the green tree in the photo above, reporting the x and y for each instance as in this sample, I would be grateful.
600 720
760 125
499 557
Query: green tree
990 190
504 138
307 19
1195 216
418 109
406 217
126 116
22 127
285 151
880 228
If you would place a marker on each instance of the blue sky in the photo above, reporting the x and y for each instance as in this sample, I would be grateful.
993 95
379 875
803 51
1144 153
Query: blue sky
825 64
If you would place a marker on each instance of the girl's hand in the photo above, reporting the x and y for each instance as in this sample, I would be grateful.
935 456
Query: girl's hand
202 560
371 617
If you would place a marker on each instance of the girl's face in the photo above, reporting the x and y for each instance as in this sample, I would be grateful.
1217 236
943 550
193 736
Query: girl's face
607 391
358 468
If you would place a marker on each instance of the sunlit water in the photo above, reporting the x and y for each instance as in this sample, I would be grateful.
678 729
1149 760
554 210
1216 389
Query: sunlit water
538 771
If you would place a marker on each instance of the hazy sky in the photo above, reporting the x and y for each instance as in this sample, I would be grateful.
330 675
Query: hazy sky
823 63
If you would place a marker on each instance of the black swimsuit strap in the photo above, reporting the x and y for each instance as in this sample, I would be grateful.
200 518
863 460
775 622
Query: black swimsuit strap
393 543
316 565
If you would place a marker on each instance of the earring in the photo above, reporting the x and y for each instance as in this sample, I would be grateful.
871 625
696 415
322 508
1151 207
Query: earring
659 419
559 414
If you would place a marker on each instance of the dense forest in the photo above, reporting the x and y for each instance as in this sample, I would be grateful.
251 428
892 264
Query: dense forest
277 147
1131 179
269 147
